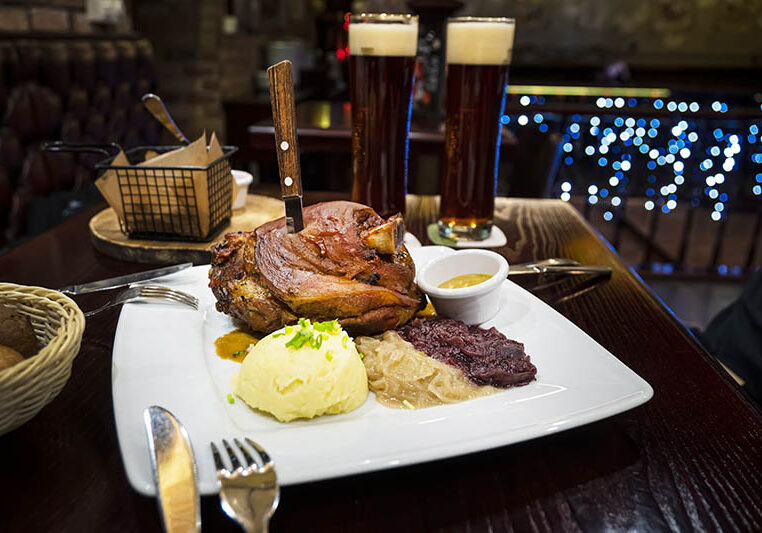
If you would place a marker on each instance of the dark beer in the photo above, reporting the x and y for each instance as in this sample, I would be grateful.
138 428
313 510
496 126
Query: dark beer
382 63
478 57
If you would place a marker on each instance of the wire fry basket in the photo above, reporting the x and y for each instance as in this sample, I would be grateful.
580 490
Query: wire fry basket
162 203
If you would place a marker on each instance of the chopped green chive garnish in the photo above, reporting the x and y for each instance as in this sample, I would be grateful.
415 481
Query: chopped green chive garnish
362 355
316 342
329 326
329 355
230 398
300 339
313 333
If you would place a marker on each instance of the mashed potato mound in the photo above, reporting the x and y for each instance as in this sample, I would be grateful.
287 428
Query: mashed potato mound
303 371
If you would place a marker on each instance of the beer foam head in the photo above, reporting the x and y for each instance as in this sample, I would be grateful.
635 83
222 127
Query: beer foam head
383 39
478 42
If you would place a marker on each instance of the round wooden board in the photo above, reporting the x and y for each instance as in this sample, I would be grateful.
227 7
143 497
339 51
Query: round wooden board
108 239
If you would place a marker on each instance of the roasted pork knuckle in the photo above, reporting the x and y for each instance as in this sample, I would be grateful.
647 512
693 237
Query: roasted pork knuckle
347 263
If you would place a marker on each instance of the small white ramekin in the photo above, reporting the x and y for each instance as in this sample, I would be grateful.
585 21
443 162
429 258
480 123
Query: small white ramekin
472 305
241 182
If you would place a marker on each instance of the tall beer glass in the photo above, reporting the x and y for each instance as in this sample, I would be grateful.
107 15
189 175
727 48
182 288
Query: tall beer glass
382 51
478 55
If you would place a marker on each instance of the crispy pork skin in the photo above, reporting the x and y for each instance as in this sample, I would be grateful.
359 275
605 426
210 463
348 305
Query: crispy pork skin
340 266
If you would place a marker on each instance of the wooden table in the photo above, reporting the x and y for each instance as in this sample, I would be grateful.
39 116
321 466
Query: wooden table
688 459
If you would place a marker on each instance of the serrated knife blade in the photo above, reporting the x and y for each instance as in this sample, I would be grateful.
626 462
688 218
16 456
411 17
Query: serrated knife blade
121 281
174 471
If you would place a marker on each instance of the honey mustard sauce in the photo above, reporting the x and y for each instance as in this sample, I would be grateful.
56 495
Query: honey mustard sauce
233 345
464 280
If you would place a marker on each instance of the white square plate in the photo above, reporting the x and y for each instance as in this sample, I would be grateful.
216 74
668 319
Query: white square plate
164 355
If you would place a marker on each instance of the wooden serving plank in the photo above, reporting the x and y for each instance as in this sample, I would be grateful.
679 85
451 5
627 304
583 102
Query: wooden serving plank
108 239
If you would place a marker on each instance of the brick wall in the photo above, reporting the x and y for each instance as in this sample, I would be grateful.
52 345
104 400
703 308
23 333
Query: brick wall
240 58
665 33
52 16
186 37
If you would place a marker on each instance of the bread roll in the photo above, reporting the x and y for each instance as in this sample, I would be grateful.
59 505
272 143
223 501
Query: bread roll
16 332
9 357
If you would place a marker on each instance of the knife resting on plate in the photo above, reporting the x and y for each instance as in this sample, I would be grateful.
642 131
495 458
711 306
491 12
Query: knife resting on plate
121 281
174 471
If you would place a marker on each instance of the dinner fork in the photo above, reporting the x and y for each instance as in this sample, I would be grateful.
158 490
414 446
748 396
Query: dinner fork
248 494
156 292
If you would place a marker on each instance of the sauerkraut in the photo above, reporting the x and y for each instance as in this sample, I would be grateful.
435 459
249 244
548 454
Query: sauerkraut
402 377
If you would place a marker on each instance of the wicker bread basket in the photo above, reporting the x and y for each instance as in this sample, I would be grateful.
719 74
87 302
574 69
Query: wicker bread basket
28 386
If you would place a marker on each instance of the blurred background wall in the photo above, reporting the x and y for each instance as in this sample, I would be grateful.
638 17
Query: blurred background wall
646 33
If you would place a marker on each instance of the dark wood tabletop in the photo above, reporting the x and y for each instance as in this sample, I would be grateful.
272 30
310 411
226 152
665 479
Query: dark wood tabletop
688 459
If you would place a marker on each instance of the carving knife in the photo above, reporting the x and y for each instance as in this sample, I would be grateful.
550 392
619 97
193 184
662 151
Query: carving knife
174 471
284 121
121 281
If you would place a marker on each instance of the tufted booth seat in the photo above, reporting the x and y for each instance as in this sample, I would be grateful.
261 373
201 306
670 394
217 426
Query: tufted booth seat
81 90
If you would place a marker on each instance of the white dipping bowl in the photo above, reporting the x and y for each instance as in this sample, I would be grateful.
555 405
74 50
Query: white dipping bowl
472 305
241 182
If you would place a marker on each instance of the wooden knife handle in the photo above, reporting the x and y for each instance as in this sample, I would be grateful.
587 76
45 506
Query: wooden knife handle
284 120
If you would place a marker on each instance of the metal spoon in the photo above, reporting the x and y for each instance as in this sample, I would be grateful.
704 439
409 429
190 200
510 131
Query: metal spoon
156 107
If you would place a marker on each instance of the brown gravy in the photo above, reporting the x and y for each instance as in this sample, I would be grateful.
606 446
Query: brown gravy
233 345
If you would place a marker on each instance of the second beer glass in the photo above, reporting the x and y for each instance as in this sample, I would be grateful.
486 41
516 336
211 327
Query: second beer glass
478 55
382 52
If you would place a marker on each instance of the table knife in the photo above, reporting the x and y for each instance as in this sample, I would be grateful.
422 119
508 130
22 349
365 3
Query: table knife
559 269
121 281
284 122
174 471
